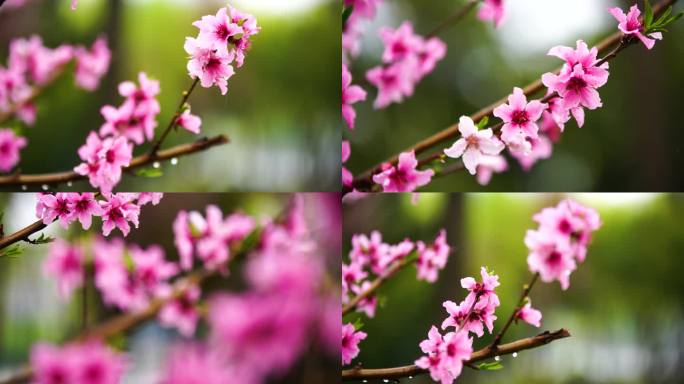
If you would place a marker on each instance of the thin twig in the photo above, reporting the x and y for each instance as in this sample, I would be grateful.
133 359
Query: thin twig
137 162
21 235
359 373
353 302
364 180
453 19
174 119
526 292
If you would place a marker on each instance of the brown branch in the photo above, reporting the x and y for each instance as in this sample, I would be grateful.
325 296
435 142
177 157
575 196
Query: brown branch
396 267
21 235
453 19
364 181
359 373
137 162
174 119
494 346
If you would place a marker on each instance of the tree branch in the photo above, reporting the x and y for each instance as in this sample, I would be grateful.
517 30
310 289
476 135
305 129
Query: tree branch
364 181
359 373
453 19
526 291
137 162
396 267
21 235
174 119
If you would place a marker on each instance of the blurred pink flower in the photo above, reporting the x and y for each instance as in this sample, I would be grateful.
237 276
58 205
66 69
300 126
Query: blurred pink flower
182 313
92 65
65 263
347 177
432 258
492 10
10 146
89 363
190 122
351 94
488 166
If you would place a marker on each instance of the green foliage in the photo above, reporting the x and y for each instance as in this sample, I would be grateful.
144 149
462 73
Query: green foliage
149 172
42 239
664 20
358 324
482 124
14 250
346 12
490 366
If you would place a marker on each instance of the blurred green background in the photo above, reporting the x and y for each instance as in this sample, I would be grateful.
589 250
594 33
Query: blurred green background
280 111
31 310
632 144
624 307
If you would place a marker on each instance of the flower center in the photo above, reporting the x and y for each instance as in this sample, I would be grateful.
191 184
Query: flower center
576 84
520 117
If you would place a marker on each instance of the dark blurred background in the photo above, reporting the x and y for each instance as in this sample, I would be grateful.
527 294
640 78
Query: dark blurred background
280 111
632 144
624 306
31 310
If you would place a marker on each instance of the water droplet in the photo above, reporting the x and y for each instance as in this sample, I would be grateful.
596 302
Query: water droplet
23 187
497 358
365 381
45 187
410 377
70 184
156 164
385 380
174 161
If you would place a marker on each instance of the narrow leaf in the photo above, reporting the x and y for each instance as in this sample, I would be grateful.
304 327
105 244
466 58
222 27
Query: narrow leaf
648 14
149 172
491 366
483 122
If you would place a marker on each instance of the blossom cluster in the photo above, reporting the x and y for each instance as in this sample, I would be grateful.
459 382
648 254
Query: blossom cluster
560 242
223 39
371 256
32 66
88 362
257 333
407 59
106 153
528 129
116 210
446 353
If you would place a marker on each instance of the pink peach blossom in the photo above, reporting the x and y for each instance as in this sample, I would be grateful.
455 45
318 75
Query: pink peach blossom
351 94
473 145
65 263
519 119
492 10
190 122
92 64
530 315
10 146
404 177
630 25
350 343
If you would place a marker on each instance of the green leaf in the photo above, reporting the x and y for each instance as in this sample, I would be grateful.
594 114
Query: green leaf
648 14
664 16
491 366
358 324
483 122
149 172
42 239
11 251
346 13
